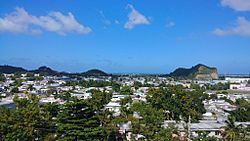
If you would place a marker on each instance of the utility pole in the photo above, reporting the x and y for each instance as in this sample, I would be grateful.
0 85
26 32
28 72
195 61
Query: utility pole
189 128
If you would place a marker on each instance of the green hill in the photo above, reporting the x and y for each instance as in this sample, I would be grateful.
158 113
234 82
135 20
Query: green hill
94 72
11 69
199 71
43 70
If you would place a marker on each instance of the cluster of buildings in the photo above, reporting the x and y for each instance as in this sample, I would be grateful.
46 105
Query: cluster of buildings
49 86
239 84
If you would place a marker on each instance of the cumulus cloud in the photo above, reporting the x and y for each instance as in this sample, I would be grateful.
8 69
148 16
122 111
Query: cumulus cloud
238 5
242 28
20 21
135 18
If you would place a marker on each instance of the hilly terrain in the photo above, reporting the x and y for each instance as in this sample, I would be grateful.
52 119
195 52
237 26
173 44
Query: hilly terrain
199 71
95 72
43 70
10 69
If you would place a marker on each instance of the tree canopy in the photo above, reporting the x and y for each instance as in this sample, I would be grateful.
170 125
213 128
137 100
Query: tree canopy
242 112
77 121
177 102
29 121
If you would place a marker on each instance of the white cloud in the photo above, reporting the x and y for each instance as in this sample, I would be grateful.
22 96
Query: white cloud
238 5
17 21
170 24
20 21
242 28
135 18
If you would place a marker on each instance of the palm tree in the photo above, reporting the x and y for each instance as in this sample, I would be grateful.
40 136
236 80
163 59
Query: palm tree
233 132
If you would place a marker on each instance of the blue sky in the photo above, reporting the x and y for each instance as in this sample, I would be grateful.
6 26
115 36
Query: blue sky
129 36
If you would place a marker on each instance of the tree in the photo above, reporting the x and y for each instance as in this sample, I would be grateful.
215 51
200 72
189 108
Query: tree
28 121
125 111
52 108
219 86
77 121
177 102
14 90
192 105
17 82
99 99
5 122
126 90
116 87
233 132
137 84
195 86
242 112
64 95
107 120
109 123
2 78
125 116
149 123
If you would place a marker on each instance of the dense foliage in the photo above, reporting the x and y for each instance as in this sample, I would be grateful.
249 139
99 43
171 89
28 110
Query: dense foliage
2 78
242 113
76 121
29 121
126 90
88 120
233 132
219 86
177 102
150 125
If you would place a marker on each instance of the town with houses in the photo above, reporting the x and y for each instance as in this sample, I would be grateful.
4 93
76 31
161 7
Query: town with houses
49 87
125 70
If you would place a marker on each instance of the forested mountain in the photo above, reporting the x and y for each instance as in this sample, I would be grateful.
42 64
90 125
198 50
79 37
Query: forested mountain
199 71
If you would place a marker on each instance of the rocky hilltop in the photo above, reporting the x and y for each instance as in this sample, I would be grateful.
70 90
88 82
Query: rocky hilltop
199 71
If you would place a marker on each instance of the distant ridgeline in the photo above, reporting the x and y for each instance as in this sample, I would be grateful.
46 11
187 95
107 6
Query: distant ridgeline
48 71
11 69
199 71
